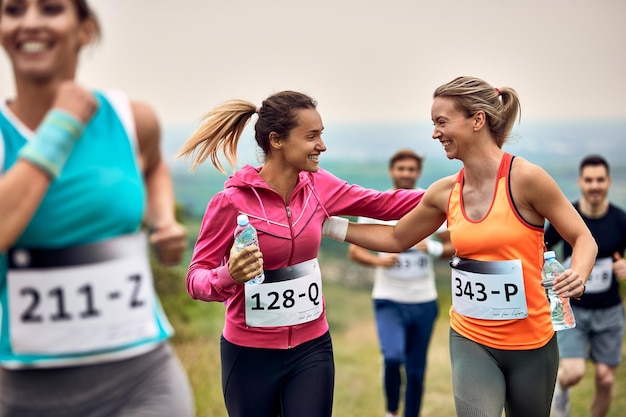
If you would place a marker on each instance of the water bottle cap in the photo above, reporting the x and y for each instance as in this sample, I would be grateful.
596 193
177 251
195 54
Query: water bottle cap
242 220
549 254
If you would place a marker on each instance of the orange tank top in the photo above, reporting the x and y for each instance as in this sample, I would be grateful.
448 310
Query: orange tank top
502 234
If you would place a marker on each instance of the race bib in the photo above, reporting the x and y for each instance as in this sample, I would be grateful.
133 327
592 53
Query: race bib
411 264
288 296
601 276
81 299
489 290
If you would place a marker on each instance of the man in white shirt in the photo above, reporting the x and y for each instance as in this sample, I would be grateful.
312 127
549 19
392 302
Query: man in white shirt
405 298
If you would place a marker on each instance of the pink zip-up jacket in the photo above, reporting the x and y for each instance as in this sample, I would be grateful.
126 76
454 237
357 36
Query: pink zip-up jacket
288 234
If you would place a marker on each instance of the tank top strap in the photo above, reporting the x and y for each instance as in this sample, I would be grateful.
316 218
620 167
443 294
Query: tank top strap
459 177
505 165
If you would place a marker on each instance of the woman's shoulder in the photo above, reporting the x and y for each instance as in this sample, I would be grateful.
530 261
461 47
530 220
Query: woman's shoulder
444 183
438 192
323 176
137 115
530 182
224 199
524 170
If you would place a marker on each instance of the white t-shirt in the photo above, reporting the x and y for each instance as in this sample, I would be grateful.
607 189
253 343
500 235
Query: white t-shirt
411 280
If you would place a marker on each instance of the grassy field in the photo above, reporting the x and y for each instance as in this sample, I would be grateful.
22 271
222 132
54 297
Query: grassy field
358 391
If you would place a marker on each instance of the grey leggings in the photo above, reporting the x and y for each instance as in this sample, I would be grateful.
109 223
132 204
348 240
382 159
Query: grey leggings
487 380
151 385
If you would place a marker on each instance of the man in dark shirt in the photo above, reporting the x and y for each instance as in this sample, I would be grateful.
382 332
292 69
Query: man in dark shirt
599 313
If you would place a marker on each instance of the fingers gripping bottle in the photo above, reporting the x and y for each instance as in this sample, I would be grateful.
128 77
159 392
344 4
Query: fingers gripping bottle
245 235
560 308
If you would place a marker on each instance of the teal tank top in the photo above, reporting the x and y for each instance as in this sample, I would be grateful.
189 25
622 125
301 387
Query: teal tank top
99 195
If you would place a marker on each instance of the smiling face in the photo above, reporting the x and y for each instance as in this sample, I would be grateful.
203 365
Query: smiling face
594 182
452 127
42 38
404 173
302 148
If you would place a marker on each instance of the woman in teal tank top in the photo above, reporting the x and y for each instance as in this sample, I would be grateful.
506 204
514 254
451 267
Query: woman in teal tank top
82 331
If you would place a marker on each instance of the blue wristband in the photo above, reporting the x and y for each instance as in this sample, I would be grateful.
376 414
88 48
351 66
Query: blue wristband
53 142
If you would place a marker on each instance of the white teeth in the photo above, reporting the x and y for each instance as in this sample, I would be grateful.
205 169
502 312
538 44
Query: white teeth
314 158
445 143
33 47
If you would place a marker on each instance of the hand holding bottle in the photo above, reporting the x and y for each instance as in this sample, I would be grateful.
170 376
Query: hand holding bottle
246 262
561 312
569 284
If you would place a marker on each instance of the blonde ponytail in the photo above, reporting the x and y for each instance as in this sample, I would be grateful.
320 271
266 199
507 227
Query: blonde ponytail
220 131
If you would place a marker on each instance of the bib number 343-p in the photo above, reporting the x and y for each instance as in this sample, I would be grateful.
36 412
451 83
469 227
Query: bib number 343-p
488 290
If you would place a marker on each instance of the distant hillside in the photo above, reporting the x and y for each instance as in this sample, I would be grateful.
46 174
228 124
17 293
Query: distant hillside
358 153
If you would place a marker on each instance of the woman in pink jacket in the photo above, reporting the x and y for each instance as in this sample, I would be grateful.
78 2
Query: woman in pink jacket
276 350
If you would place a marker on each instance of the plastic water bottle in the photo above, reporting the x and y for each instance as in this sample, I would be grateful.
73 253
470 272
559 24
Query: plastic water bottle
560 308
245 235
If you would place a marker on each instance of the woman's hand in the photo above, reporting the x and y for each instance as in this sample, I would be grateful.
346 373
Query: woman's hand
76 100
569 284
245 265
169 243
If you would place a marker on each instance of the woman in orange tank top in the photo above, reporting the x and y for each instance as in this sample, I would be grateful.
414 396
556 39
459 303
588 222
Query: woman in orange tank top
496 207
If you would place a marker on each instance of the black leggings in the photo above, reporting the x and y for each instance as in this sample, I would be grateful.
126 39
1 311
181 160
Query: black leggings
296 382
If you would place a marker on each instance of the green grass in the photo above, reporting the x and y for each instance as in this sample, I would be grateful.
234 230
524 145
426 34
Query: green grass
358 390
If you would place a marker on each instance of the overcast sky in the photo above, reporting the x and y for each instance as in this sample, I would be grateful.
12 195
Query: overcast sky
363 60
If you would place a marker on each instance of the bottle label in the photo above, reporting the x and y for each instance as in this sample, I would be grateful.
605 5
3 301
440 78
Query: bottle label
601 275
59 305
246 237
492 290
288 296
410 265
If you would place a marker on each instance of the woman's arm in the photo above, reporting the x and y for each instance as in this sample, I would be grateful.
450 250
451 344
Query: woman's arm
541 194
167 235
422 221
24 185
439 249
342 199
208 277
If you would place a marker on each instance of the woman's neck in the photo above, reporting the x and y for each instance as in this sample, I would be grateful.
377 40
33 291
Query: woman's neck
483 166
283 181
33 100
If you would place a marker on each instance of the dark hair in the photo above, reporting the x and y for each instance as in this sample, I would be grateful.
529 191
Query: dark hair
278 114
403 154
593 160
222 126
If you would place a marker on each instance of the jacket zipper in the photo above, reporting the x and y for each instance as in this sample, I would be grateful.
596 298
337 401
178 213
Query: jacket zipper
291 234
290 333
